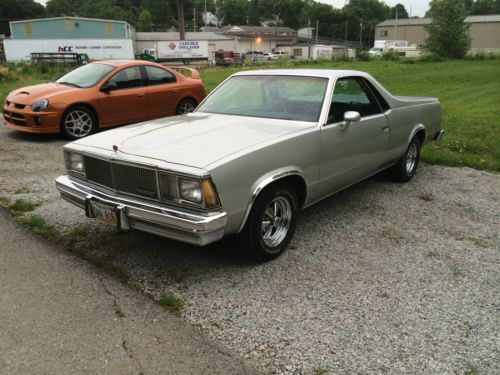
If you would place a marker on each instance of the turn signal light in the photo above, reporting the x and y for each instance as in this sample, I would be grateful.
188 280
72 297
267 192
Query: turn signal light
209 196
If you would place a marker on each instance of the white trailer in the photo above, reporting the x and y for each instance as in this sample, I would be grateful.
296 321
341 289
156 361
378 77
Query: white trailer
381 46
97 49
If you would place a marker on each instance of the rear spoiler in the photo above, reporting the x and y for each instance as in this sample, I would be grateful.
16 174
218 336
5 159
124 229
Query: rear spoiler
194 73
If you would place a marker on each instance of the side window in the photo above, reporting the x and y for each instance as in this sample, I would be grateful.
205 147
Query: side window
127 78
351 95
158 76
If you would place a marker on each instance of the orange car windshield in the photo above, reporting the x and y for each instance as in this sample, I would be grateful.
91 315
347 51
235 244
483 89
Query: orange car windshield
86 75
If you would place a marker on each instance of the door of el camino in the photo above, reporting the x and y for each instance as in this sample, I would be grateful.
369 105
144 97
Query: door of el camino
356 150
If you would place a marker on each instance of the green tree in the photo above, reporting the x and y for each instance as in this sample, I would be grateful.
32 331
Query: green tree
161 13
56 8
323 15
145 22
448 33
400 10
485 7
234 12
362 16
13 10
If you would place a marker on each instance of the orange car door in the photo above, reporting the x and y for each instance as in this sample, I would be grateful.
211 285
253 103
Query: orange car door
125 101
164 92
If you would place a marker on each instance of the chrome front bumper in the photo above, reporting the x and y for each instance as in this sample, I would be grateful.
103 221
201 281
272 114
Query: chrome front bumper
197 229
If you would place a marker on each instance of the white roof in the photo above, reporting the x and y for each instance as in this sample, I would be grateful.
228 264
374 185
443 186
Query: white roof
174 35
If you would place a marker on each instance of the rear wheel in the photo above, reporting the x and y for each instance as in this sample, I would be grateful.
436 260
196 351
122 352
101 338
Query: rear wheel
185 106
406 167
272 221
78 122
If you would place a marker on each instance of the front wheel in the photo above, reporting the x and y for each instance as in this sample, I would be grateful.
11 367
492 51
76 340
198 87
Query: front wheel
406 167
78 122
185 106
272 221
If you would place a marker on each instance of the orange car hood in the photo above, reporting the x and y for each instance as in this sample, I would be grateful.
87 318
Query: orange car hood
27 95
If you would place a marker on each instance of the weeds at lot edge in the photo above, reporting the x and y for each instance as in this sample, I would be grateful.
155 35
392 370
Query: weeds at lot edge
171 302
21 205
78 240
83 242
319 370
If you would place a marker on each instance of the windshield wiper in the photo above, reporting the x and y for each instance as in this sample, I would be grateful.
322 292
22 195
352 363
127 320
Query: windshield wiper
69 84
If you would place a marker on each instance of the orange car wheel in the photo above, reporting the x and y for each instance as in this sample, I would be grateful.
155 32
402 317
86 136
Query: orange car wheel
185 106
78 122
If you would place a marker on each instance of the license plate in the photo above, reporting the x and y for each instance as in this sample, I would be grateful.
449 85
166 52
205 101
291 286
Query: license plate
104 213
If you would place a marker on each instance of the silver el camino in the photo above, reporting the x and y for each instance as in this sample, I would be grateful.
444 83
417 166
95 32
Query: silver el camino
261 147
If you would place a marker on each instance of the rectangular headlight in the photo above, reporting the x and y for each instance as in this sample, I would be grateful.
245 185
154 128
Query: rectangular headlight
190 190
74 162
185 190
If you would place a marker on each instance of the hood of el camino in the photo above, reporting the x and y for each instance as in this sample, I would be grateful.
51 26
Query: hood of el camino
195 140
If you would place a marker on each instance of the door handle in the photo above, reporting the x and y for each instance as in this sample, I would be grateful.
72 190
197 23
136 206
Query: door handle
175 91
140 95
385 129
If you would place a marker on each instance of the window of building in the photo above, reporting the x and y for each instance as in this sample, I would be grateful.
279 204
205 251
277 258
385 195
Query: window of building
384 33
28 28
109 28
297 52
70 24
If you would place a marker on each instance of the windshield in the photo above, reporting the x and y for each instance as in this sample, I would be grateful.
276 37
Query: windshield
86 75
282 97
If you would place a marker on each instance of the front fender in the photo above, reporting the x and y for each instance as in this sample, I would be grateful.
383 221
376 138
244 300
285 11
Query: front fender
265 181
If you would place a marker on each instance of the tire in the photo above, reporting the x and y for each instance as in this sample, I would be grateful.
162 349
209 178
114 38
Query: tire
271 223
405 168
78 122
185 106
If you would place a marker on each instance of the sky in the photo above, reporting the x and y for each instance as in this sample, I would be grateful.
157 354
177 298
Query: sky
417 7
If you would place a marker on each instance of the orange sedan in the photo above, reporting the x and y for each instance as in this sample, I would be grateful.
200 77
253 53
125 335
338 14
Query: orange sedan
101 95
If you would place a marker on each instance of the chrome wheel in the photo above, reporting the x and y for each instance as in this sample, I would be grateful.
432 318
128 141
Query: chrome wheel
411 158
186 106
276 221
78 123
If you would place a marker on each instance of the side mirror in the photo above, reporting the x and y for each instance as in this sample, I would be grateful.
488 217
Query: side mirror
109 86
350 116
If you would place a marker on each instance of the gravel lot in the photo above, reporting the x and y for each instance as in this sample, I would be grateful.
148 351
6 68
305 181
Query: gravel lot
381 278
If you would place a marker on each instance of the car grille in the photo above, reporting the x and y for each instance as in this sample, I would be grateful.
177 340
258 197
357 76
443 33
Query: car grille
14 118
122 177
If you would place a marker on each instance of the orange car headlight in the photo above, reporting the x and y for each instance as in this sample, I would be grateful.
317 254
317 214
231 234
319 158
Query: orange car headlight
39 105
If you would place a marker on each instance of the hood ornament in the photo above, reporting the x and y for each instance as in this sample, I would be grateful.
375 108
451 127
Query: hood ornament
115 148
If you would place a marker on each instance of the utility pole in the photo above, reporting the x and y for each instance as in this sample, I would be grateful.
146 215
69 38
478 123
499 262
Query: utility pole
317 28
346 49
360 33
396 26
194 19
180 13
205 15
